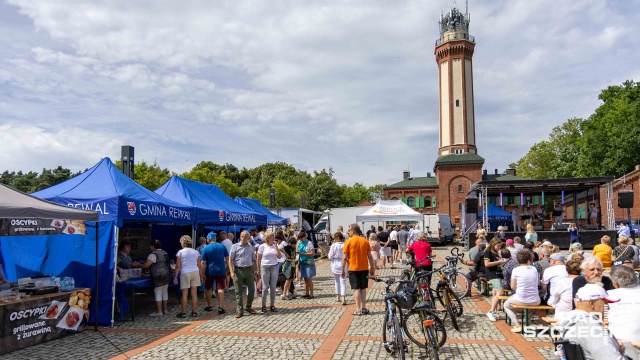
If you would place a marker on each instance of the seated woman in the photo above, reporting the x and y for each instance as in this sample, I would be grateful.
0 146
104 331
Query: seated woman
524 282
124 256
561 297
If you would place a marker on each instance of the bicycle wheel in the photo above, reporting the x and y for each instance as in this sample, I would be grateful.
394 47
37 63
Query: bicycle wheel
446 298
432 349
459 284
387 337
399 340
415 330
454 299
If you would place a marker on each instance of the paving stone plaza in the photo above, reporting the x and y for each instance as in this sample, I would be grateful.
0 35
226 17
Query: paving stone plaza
301 329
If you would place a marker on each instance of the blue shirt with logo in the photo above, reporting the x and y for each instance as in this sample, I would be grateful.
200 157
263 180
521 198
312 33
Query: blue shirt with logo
214 254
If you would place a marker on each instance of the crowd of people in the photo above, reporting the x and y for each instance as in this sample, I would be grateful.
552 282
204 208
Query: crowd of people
572 283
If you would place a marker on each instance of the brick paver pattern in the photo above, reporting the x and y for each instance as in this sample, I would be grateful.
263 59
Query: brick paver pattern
319 328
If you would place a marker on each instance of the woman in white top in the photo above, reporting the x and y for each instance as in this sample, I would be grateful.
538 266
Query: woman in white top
532 235
268 255
191 274
336 255
561 297
524 282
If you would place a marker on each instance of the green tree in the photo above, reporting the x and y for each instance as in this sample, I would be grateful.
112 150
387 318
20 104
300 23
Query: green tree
264 175
612 134
286 196
208 176
151 176
323 191
353 195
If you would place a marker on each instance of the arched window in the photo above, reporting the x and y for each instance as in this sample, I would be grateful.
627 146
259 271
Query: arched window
457 103
460 206
394 198
459 188
411 202
427 201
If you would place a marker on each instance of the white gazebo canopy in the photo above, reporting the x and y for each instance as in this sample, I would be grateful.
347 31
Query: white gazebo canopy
390 210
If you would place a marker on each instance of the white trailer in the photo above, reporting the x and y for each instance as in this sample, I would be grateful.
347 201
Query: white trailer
344 217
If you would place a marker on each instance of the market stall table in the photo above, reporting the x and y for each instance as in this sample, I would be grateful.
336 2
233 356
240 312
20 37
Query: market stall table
30 320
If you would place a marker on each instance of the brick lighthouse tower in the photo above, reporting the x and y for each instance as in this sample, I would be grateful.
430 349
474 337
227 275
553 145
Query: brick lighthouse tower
454 54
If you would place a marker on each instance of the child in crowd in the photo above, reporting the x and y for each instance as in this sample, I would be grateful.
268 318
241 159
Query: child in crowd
603 251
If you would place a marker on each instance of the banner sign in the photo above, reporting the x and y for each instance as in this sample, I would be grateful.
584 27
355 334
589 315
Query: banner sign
17 227
42 318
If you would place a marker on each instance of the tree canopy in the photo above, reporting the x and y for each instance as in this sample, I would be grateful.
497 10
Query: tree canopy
604 144
293 187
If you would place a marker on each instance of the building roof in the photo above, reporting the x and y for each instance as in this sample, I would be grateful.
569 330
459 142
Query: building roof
459 159
415 182
548 186
502 177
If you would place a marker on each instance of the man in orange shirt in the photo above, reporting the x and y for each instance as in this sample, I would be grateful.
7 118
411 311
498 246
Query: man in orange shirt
357 253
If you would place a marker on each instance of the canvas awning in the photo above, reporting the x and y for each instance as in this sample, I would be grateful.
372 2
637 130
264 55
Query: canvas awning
390 210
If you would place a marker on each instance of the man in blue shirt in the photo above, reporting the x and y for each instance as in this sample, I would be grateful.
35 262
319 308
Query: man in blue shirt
213 258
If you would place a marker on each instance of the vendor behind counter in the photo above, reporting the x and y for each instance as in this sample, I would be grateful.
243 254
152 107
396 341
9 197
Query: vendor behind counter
124 256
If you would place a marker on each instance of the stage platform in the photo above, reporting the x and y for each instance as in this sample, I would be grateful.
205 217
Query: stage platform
589 238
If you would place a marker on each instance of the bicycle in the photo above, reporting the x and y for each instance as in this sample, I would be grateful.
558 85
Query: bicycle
448 298
461 287
392 332
421 324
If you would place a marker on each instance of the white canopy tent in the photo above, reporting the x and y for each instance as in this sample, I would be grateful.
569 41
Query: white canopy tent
390 210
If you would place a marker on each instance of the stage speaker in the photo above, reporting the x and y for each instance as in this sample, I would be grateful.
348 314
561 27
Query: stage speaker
472 206
625 199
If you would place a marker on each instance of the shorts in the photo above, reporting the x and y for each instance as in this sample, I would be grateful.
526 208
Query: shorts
219 280
189 280
358 279
402 247
497 284
385 251
393 245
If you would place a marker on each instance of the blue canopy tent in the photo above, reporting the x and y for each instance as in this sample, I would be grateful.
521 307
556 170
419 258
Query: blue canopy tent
497 216
255 205
212 206
117 199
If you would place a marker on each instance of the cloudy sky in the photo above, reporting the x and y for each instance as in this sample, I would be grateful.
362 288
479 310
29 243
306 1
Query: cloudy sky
345 84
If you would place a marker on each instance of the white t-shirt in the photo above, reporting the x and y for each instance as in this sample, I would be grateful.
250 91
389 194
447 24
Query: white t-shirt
269 254
561 297
552 275
624 315
394 235
153 258
526 278
518 246
514 251
336 255
189 260
228 244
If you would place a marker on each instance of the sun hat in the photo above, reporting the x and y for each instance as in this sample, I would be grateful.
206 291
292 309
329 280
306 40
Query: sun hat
547 243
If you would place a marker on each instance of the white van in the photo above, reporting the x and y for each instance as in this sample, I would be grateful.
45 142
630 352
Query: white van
438 228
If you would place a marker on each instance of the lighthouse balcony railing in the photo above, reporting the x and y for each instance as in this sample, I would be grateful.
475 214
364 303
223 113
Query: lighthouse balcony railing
455 36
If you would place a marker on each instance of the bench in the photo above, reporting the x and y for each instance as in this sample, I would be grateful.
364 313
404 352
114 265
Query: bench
525 312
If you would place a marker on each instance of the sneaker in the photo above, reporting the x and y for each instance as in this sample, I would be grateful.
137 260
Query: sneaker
491 316
283 297
155 314
516 329
231 288
289 297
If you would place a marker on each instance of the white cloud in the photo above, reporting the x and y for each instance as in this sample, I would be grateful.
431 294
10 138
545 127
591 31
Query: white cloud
342 84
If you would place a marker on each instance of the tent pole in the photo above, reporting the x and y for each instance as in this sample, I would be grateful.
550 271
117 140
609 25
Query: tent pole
97 297
115 273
